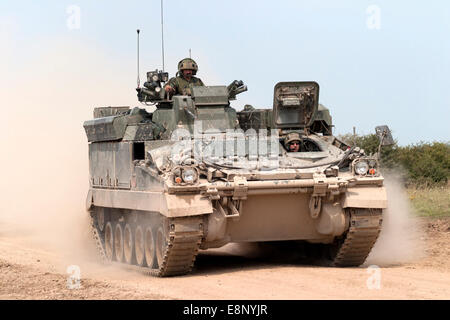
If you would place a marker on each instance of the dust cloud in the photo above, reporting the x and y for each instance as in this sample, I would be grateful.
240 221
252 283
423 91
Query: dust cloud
46 94
401 237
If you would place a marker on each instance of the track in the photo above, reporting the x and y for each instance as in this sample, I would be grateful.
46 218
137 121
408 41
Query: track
178 249
365 226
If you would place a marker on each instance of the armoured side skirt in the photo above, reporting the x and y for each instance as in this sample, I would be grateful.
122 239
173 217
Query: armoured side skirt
166 204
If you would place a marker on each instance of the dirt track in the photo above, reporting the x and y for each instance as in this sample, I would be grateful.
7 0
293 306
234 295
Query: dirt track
31 270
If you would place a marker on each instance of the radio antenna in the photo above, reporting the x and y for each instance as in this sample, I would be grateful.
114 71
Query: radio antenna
190 53
162 34
138 79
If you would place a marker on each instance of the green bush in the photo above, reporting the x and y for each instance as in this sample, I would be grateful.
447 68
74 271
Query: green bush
426 163
423 164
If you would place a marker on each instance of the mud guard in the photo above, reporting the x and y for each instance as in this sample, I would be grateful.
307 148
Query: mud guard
186 205
365 197
169 205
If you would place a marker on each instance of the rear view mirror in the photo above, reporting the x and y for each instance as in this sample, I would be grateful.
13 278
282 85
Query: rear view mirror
384 135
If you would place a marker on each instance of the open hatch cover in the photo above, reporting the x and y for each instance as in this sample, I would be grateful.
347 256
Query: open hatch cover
295 104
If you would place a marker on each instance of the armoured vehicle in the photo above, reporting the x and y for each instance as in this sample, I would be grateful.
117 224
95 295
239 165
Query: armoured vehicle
195 174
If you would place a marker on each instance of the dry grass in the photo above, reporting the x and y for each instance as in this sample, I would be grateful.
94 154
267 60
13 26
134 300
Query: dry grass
431 202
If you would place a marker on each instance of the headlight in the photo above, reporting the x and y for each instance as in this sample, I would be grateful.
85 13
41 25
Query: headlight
361 167
189 175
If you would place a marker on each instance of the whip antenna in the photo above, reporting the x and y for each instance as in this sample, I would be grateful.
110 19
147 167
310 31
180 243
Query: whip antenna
138 80
162 34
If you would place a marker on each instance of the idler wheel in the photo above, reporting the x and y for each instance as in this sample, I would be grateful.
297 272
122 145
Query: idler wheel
139 246
149 247
118 242
109 241
161 245
128 244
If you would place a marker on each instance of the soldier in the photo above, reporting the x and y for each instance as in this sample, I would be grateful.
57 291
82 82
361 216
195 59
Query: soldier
181 84
292 142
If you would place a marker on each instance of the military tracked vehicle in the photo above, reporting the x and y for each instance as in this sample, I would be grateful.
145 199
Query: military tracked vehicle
195 174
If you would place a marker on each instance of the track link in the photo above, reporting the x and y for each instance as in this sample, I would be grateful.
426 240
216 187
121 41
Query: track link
365 226
180 251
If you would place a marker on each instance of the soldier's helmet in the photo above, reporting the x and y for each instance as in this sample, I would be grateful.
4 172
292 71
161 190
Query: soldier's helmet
293 136
188 64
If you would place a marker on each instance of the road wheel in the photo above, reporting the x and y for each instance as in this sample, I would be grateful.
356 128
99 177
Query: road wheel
149 247
139 248
161 245
128 244
118 242
109 241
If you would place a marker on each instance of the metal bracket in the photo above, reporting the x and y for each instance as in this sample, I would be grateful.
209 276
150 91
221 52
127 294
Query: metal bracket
213 193
240 188
235 214
315 205
320 185
334 191
320 190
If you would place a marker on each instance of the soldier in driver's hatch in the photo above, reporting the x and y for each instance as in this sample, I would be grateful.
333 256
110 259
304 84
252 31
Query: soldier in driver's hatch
182 83
292 142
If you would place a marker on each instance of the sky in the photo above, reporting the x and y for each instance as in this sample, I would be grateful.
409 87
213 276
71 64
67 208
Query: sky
377 62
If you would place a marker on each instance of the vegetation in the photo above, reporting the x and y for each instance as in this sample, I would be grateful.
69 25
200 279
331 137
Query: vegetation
424 168
422 164
431 202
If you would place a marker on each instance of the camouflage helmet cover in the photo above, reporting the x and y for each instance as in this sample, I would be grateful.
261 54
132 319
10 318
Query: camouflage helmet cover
293 136
188 64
